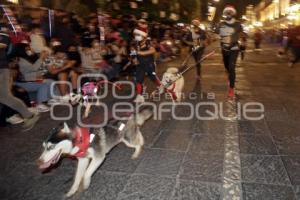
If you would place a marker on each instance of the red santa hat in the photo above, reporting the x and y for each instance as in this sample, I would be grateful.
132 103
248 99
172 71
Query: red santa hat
141 31
229 8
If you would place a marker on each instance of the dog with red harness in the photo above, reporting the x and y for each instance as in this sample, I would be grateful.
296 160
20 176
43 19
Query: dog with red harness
90 146
172 83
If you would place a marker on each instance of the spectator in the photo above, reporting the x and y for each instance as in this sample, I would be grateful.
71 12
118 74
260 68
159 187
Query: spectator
6 96
31 75
37 40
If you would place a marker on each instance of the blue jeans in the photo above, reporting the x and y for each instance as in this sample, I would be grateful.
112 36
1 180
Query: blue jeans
42 90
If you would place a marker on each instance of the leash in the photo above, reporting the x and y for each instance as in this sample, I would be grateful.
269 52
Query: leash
200 61
179 75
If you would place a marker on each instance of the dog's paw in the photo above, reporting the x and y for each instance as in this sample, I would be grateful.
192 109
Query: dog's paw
136 154
70 193
133 157
86 183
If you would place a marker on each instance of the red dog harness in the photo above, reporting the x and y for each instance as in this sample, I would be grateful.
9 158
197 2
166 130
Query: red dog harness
82 141
172 91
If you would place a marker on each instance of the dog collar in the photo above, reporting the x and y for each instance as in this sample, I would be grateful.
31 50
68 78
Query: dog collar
82 141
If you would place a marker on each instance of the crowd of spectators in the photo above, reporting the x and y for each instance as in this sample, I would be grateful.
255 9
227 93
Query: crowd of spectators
65 45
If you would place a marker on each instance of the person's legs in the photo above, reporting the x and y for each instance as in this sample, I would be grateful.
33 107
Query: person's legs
7 98
140 73
243 51
197 57
8 112
74 79
231 68
22 94
63 87
226 56
150 69
296 53
42 90
55 91
256 44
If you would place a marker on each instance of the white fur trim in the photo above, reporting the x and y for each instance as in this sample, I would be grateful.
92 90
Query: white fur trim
229 8
139 32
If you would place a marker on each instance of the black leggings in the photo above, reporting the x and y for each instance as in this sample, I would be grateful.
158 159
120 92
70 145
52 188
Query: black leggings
142 69
197 57
229 59
296 53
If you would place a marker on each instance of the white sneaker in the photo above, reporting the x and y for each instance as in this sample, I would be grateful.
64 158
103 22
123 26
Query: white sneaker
72 97
75 98
66 98
33 110
139 99
15 119
53 101
42 108
291 64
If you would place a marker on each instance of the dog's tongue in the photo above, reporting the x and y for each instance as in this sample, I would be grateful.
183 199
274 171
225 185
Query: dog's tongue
45 165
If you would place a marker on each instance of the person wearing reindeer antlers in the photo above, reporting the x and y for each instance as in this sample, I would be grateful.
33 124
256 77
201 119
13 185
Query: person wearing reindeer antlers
230 31
142 54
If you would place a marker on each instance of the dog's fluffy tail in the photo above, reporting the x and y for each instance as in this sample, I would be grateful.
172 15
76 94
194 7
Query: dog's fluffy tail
144 115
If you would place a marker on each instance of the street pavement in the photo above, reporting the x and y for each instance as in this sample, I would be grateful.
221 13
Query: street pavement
184 159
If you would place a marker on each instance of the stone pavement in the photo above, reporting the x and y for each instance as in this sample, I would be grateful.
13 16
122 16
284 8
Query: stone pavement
185 160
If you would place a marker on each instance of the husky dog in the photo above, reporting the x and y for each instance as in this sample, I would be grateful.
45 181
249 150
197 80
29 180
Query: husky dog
91 146
173 83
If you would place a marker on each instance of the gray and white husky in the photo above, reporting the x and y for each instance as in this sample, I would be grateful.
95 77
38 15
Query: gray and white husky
102 140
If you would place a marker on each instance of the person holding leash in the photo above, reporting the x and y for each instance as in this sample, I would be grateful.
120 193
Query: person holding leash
142 53
197 40
230 31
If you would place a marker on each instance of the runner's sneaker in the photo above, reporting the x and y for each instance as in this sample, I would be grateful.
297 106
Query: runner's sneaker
15 119
75 98
42 108
33 110
291 64
30 122
53 101
65 99
139 99
231 93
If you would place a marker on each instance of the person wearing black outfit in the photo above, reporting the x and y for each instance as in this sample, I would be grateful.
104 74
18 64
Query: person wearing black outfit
143 58
230 30
196 39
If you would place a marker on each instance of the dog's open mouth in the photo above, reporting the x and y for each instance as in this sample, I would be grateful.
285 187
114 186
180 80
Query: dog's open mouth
53 160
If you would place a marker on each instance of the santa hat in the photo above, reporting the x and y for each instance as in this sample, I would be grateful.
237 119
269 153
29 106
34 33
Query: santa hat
229 8
141 31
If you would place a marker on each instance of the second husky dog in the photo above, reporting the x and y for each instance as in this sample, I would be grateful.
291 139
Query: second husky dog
91 146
